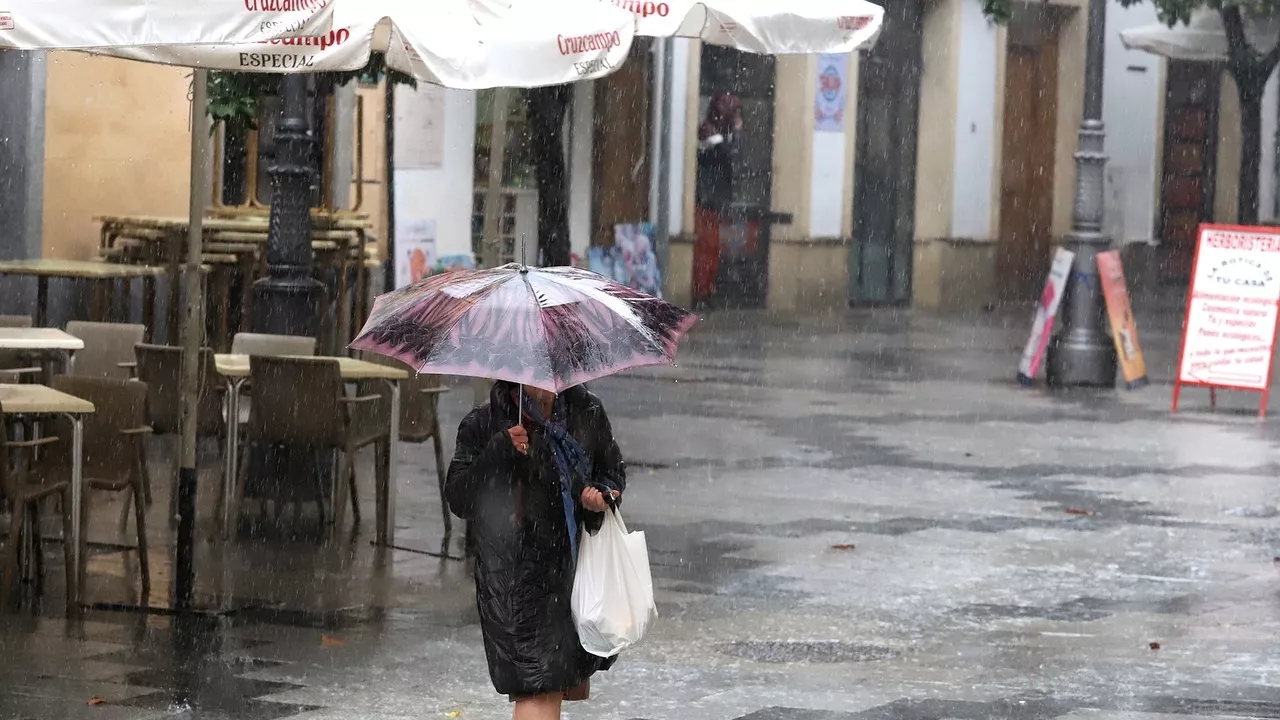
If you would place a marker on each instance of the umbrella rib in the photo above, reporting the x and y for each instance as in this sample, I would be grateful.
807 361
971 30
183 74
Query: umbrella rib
546 339
609 302
599 295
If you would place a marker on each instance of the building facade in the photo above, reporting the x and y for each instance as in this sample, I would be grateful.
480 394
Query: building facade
1000 110
934 171
952 176
1173 143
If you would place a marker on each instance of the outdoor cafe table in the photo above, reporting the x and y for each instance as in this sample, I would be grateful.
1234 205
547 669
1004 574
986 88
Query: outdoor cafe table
99 272
244 228
40 401
42 340
235 370
175 230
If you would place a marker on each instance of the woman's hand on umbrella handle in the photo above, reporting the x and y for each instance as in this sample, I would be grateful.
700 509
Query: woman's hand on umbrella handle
595 501
519 439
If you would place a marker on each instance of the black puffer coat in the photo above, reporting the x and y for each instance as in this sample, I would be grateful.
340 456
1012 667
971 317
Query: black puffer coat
524 572
714 187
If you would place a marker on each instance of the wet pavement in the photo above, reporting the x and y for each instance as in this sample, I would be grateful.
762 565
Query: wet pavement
855 517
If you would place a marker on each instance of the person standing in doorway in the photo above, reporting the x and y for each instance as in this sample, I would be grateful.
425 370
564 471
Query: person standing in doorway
717 146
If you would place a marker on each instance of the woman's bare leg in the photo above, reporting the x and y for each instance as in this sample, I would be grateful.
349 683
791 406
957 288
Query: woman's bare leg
538 707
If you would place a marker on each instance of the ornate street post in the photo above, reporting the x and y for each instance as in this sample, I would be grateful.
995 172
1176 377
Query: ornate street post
1081 354
288 301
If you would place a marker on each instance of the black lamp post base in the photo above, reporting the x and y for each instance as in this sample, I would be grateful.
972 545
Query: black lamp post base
1082 353
288 306
1073 362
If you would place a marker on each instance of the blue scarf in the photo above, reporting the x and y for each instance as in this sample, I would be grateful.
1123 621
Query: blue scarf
569 456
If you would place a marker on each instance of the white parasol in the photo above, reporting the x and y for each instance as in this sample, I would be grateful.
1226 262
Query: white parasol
773 27
1202 39
473 44
80 24
463 44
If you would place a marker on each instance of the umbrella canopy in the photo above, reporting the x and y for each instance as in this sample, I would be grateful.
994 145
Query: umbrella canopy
551 328
773 27
1202 39
463 44
80 24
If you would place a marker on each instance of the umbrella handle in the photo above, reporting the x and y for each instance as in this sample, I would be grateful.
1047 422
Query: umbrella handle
520 406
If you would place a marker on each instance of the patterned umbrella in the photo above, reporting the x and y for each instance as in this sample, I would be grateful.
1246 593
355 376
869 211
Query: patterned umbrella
551 328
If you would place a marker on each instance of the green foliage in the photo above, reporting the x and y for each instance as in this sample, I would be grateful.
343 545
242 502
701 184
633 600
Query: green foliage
233 98
999 11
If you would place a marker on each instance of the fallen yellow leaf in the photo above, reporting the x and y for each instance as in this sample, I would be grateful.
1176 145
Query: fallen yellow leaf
453 714
327 641
95 700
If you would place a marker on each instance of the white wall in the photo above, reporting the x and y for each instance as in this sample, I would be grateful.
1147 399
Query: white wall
827 185
676 125
1268 200
1133 87
441 194
971 209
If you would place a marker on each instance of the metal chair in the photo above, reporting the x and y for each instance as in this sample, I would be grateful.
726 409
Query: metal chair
25 492
108 348
259 344
115 454
419 417
108 354
160 367
302 402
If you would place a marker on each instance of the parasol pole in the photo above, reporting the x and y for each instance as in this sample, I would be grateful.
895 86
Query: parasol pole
490 243
192 333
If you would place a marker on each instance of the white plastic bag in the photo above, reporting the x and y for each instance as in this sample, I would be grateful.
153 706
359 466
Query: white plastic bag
612 590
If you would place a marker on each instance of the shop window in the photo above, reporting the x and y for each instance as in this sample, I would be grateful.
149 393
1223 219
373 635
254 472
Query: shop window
518 214
518 166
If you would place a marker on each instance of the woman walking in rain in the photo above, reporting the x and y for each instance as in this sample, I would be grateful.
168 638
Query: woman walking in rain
525 480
